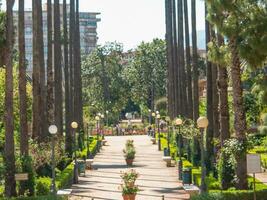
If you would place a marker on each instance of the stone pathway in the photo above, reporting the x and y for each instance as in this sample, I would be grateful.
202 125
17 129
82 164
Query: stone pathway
104 181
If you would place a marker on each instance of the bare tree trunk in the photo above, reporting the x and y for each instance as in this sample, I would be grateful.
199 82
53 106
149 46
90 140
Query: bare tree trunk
194 62
169 40
58 69
67 81
209 132
223 100
50 75
9 151
24 146
182 78
78 68
239 116
35 76
175 67
188 63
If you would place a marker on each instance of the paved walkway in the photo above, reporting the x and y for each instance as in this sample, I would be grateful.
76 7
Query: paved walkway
104 181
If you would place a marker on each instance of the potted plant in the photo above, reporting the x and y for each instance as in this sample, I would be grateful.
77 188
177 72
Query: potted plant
129 152
129 155
129 189
129 193
129 177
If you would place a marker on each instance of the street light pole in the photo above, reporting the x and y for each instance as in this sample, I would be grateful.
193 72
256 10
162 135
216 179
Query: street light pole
74 126
159 142
149 117
154 128
179 138
202 124
53 130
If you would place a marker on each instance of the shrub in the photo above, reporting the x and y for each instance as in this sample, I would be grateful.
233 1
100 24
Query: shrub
27 186
43 185
232 195
65 177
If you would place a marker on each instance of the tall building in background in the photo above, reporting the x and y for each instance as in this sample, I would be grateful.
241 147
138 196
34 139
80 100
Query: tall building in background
88 32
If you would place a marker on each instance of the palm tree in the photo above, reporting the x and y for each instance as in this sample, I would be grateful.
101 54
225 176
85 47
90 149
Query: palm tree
24 146
9 154
175 67
188 62
67 81
169 52
50 74
182 77
209 132
194 62
58 69
77 73
39 90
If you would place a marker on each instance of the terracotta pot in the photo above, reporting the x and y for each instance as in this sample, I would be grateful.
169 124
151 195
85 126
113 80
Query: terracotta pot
129 196
129 162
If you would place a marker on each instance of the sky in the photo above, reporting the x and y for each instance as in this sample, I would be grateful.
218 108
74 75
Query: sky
131 21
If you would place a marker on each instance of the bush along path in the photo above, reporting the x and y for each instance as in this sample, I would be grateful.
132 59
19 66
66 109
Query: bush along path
154 181
64 178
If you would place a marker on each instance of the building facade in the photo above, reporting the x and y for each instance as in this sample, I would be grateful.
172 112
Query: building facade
88 32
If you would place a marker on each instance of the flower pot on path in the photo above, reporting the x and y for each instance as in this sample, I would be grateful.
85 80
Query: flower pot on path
129 196
129 162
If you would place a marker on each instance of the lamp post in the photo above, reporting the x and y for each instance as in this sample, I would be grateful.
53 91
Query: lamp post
107 116
74 126
178 123
53 131
102 126
88 142
168 133
202 124
159 142
149 116
97 118
154 129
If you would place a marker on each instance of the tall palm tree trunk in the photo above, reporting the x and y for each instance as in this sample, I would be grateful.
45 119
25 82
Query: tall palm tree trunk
50 74
194 62
58 69
169 41
239 115
182 77
78 70
209 132
175 66
67 81
188 63
9 150
24 146
222 83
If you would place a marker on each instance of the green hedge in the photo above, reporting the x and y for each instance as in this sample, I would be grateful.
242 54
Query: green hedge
65 177
48 197
232 195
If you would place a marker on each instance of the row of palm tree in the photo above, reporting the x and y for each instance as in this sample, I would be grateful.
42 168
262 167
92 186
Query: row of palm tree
49 103
222 23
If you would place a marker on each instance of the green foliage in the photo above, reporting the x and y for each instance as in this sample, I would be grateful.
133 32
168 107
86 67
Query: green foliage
43 185
16 105
246 22
147 71
48 197
104 83
226 169
252 108
2 28
27 186
231 195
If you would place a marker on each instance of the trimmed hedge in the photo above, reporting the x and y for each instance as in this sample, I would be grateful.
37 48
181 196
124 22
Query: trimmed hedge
232 195
65 177
49 197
